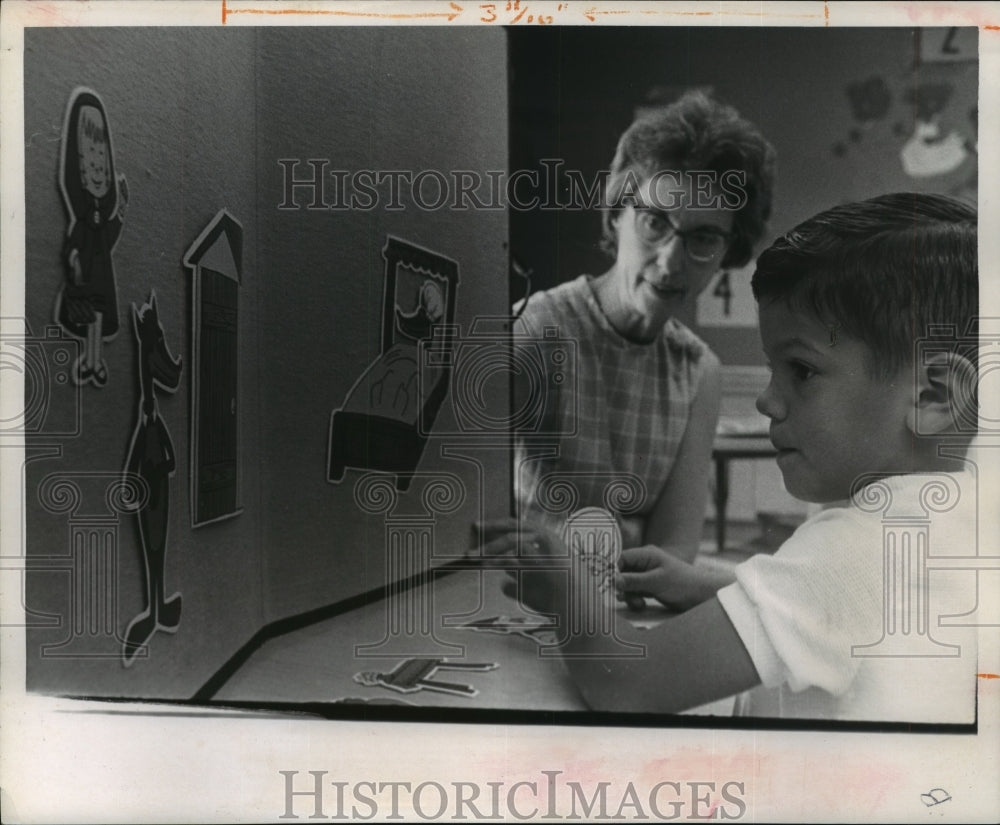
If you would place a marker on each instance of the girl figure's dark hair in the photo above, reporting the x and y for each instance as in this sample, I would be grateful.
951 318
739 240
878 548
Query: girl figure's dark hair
889 271
78 199
696 133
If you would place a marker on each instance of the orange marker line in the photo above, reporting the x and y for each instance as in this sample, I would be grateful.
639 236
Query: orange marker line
226 11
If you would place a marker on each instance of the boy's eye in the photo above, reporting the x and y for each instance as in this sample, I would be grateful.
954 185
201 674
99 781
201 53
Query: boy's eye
800 371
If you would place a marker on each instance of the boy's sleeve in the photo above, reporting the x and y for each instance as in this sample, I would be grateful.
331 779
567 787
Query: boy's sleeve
743 614
800 611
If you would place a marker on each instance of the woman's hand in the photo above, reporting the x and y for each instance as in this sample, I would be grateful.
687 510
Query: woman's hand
539 561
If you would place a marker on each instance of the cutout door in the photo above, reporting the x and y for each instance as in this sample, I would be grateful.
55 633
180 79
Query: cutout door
215 407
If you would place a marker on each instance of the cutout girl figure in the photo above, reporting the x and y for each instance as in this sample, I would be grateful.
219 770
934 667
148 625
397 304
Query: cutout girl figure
87 305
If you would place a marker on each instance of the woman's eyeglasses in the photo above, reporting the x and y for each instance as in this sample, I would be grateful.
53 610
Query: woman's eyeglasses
703 244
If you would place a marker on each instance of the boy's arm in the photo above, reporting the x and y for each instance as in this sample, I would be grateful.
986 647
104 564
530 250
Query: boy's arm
691 659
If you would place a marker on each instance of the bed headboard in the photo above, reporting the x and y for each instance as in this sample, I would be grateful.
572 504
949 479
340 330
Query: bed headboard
419 294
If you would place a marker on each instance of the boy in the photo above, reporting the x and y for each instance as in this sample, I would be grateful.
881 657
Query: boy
842 621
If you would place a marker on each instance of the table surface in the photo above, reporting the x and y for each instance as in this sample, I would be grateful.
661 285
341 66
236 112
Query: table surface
318 663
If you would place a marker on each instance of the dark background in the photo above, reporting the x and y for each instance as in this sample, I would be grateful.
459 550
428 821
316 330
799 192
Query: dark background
573 91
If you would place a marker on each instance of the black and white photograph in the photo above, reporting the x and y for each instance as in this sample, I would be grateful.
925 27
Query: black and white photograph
434 411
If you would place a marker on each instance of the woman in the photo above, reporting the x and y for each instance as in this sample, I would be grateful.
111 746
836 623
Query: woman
688 194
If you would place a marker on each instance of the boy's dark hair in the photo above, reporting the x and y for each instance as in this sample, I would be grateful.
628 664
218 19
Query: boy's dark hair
886 270
696 133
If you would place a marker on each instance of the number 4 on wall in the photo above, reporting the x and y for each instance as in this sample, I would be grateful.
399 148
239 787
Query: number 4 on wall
728 301
724 292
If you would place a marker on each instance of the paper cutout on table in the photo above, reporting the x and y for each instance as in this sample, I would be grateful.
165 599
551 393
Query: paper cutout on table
215 259
412 675
378 425
594 541
151 457
95 198
594 538
527 626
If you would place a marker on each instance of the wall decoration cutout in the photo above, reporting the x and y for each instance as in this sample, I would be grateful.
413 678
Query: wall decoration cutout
95 198
216 262
151 457
870 100
936 144
929 151
384 421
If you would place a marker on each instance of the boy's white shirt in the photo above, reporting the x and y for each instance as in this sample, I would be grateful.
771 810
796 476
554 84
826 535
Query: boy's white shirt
800 611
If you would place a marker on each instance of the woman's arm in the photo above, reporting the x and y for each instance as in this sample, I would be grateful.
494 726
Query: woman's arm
677 520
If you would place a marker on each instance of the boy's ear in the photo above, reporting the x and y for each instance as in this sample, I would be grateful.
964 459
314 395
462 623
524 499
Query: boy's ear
945 394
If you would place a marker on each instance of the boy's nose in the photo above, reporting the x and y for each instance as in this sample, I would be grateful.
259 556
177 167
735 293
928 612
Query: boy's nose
769 404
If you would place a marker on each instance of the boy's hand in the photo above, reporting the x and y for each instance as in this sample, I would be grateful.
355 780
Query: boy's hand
652 571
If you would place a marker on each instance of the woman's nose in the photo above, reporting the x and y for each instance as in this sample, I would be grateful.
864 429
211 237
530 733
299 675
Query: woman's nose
670 256
769 403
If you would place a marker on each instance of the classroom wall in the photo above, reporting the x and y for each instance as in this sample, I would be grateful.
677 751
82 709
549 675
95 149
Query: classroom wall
389 101
183 136
199 119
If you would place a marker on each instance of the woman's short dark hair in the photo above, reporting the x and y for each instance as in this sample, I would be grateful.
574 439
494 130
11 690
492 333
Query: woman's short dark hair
889 270
696 133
